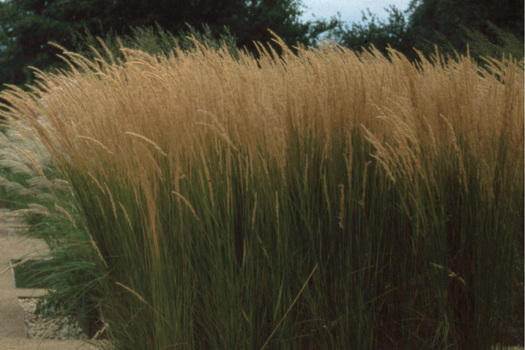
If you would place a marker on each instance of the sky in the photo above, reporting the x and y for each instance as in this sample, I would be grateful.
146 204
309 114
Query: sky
350 9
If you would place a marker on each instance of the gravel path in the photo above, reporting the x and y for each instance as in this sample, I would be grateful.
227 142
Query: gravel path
37 326
13 245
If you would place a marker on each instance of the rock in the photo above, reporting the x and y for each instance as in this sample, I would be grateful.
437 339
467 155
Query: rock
38 326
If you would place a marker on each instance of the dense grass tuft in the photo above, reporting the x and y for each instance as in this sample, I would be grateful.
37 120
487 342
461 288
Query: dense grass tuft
324 200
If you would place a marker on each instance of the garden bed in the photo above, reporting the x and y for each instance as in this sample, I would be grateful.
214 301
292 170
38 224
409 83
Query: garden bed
49 326
33 274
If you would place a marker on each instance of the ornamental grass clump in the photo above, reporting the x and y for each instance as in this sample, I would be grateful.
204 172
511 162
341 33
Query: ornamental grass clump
317 199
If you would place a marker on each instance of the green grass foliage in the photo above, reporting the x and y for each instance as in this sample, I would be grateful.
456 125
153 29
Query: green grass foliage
318 200
32 186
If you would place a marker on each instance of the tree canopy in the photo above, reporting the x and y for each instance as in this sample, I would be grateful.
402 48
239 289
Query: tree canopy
447 22
26 26
489 27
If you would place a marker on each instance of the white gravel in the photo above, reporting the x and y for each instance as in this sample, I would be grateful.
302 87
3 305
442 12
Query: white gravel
40 327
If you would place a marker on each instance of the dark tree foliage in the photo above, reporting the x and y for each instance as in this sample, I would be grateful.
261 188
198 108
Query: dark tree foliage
497 44
393 32
488 27
26 26
447 22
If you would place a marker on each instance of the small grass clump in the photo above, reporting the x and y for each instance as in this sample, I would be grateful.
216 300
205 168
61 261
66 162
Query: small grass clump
323 199
34 188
